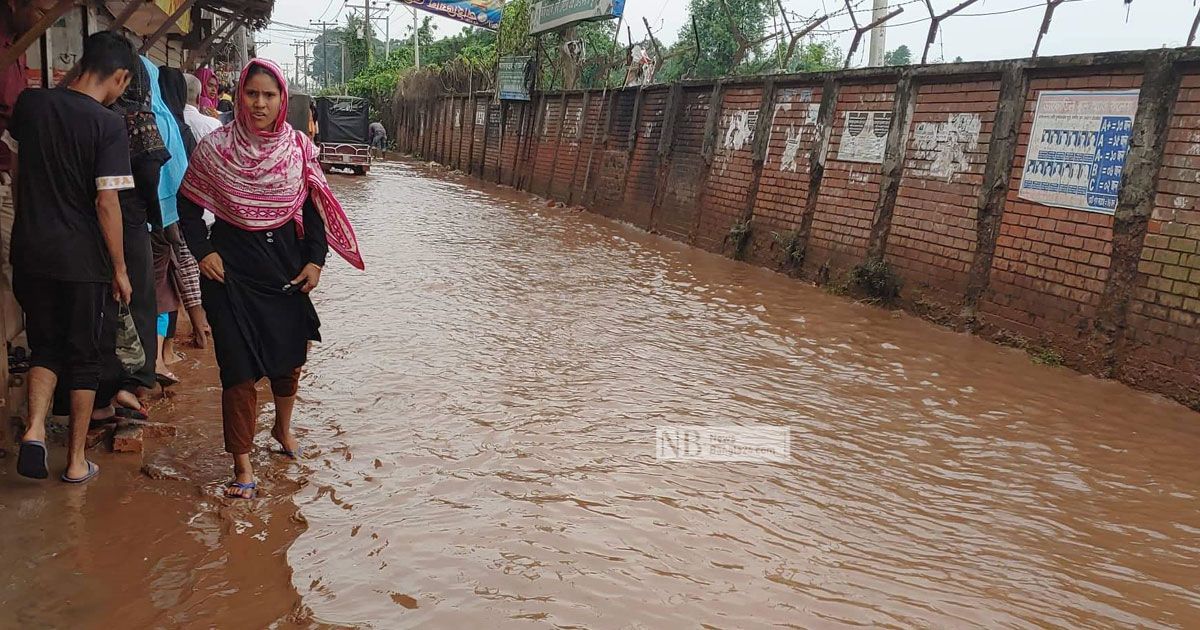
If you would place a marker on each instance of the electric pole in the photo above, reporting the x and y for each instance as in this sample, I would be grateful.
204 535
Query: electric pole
301 63
879 33
324 49
416 38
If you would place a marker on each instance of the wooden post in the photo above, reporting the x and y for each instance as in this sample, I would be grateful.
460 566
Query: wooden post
37 30
149 42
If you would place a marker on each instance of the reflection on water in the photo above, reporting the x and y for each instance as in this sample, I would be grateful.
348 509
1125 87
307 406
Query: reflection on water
480 426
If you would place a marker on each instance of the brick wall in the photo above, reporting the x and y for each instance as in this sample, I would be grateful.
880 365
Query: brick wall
932 240
786 174
1163 340
677 209
1051 263
641 182
841 224
919 168
728 183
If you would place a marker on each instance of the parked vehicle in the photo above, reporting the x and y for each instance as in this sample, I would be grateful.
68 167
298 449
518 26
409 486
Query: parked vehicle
342 123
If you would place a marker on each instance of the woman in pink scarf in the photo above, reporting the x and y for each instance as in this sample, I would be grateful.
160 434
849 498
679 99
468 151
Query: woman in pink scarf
209 88
276 220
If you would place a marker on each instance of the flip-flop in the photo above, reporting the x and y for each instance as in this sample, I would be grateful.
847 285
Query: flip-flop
93 470
252 486
32 460
166 380
295 455
130 414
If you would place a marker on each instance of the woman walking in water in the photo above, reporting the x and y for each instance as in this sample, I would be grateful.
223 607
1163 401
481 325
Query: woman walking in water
276 220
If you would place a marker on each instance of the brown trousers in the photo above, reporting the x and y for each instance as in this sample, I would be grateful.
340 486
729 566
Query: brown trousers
239 410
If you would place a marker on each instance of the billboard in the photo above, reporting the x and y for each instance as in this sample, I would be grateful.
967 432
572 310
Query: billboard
481 13
1078 147
513 78
548 15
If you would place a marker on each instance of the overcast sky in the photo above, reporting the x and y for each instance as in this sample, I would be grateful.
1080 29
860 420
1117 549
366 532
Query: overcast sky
1078 26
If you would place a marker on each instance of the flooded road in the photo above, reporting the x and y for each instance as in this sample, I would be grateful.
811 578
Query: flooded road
480 452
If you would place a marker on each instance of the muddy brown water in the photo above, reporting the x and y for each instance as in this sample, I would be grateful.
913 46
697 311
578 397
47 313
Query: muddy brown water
480 427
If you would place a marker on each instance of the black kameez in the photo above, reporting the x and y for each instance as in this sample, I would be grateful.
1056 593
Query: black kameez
260 328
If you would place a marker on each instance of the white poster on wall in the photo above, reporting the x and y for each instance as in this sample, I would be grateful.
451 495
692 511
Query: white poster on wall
1077 149
864 137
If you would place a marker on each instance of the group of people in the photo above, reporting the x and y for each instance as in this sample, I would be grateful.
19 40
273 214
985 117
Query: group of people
133 202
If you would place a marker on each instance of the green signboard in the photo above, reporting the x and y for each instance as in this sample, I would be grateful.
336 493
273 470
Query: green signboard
513 78
548 15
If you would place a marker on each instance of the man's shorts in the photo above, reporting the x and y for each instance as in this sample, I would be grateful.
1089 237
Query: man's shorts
63 322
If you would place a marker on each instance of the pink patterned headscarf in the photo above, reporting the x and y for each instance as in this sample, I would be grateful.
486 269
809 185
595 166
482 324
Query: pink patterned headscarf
259 180
206 99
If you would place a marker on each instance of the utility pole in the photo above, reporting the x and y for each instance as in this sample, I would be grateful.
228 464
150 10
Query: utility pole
301 63
879 33
367 29
416 38
324 49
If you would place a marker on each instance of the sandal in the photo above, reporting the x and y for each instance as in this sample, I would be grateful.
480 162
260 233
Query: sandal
125 413
32 461
93 470
166 379
293 455
242 487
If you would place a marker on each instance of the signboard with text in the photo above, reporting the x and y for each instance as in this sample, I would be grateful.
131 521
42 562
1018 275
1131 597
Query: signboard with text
548 15
481 13
513 78
1078 147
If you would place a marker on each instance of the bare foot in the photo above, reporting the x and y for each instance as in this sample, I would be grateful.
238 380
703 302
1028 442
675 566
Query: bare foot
128 400
287 441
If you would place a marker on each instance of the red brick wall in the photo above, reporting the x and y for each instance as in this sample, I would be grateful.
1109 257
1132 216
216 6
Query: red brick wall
492 158
841 227
545 144
592 135
1050 264
608 187
640 182
678 209
1162 345
784 184
568 149
509 142
478 123
932 240
732 169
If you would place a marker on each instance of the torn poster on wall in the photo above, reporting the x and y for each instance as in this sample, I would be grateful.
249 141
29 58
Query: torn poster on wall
944 146
801 100
1077 148
865 137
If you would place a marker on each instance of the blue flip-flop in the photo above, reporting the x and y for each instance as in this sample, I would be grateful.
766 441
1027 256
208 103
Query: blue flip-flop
251 485
32 461
93 470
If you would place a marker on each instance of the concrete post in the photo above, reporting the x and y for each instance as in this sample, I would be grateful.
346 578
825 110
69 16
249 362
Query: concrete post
996 176
1135 201
892 169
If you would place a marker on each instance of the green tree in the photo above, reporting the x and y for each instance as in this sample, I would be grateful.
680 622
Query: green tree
901 56
730 35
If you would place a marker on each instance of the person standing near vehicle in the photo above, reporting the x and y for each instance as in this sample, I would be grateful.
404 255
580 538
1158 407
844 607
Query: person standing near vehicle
67 246
377 136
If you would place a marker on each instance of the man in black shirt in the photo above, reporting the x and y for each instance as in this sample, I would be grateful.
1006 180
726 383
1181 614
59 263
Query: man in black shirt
72 159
